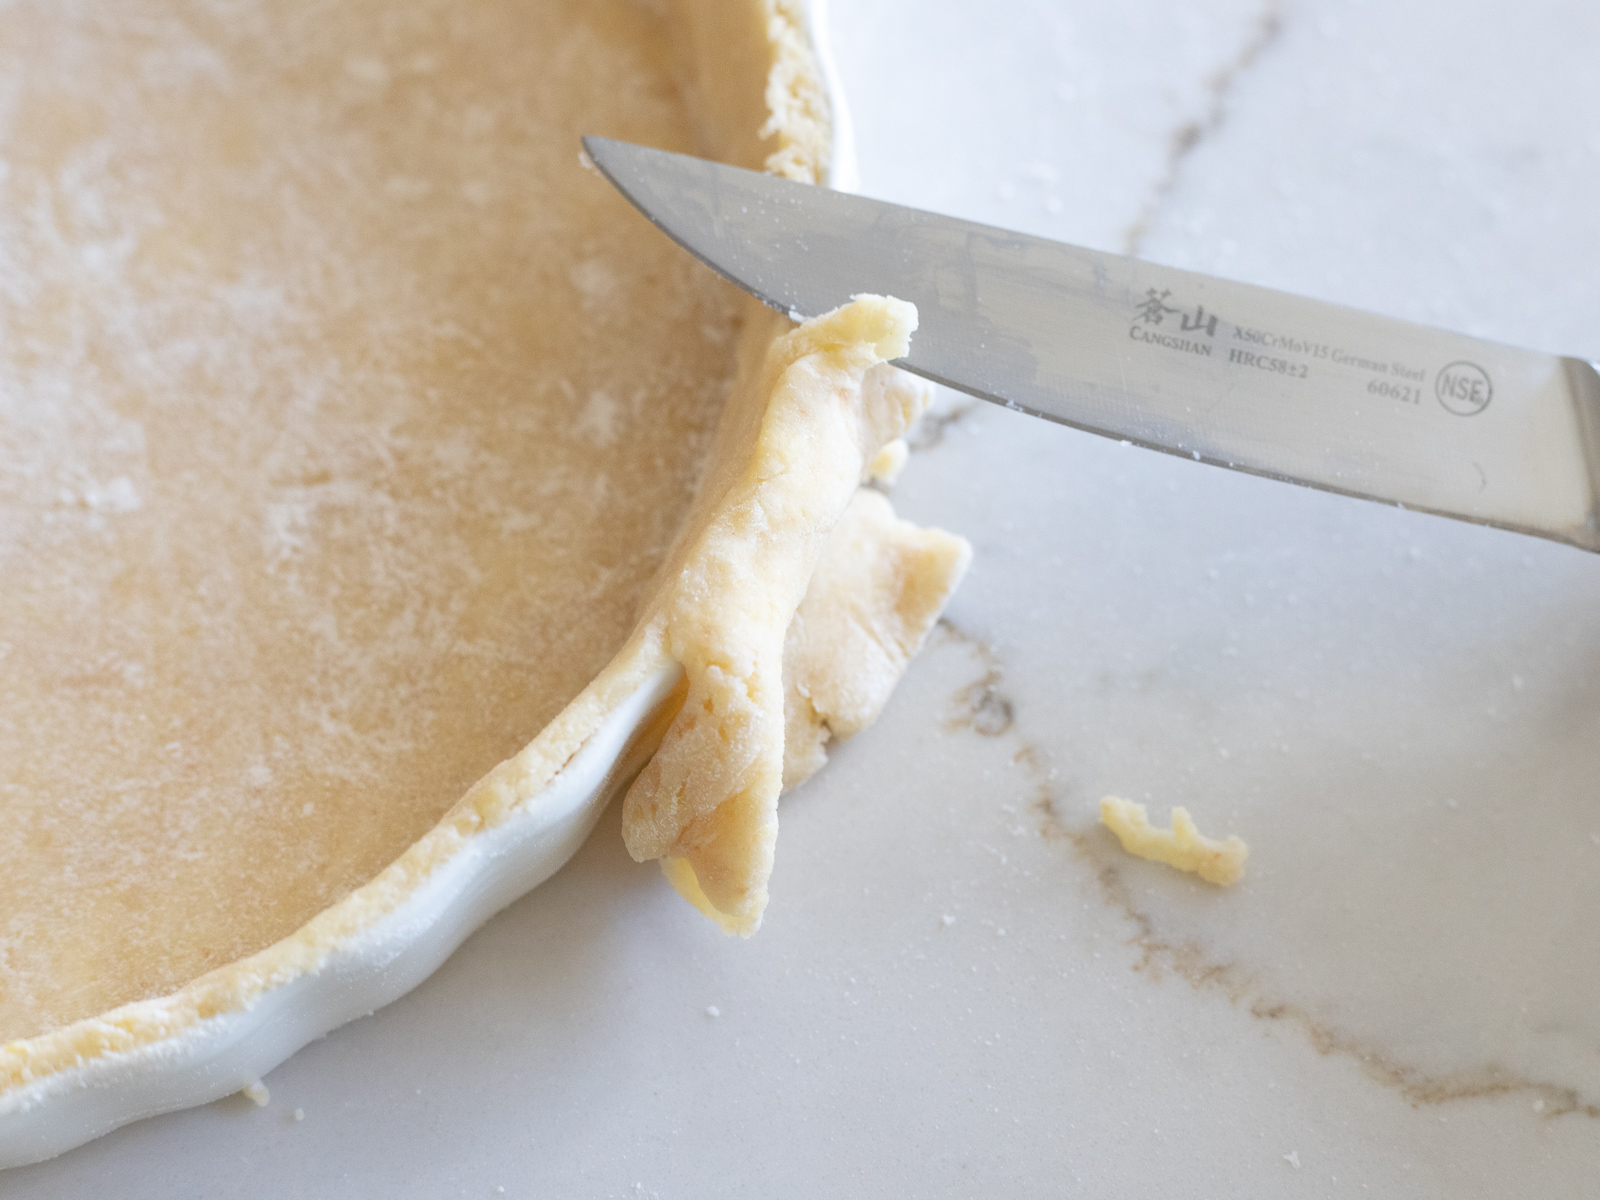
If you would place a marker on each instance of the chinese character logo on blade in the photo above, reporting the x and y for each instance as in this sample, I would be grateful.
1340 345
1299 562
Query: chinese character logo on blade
1199 321
1153 308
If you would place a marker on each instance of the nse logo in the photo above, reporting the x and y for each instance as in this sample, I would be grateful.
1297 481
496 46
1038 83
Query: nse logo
1464 388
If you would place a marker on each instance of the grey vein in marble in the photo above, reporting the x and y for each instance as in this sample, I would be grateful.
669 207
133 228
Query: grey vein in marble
1188 136
985 708
945 412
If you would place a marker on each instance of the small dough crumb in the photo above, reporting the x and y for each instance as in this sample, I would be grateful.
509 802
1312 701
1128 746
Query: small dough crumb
256 1092
1183 846
299 1114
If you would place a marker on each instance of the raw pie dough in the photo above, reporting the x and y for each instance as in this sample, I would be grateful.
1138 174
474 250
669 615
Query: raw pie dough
1183 846
351 434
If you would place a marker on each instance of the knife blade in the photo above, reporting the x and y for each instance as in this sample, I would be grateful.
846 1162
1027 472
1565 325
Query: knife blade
1225 373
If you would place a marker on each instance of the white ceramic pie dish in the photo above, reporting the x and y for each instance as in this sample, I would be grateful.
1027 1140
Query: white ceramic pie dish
218 1055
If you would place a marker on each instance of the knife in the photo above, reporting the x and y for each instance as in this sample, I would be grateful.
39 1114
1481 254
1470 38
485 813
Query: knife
1221 372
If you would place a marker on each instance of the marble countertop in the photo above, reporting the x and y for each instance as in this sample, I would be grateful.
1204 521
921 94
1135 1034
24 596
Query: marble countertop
963 987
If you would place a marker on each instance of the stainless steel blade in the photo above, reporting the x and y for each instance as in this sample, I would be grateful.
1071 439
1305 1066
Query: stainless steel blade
1226 373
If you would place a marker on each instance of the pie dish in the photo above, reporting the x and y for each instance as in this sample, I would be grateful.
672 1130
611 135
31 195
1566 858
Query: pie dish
355 434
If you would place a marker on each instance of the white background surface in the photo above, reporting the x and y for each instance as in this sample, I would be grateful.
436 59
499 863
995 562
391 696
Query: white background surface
1401 714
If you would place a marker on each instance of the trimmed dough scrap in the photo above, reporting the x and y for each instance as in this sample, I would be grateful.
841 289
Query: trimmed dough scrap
1183 846
878 590
797 439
